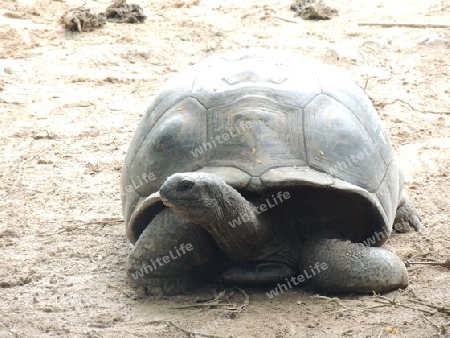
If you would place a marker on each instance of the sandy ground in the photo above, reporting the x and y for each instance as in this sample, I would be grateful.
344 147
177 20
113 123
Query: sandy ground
70 103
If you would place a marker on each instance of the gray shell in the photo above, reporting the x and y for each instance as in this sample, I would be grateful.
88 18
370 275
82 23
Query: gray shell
289 120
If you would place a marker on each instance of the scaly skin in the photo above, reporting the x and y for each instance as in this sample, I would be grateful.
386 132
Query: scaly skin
165 233
353 267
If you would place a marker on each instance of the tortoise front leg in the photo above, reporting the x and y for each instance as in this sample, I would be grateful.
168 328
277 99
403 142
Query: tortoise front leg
351 267
165 254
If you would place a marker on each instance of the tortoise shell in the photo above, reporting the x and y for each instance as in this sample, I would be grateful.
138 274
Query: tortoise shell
262 119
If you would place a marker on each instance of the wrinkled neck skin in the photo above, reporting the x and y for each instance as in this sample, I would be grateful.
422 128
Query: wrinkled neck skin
232 221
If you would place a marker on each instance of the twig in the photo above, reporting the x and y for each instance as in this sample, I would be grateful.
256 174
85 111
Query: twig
365 85
383 104
408 25
113 286
17 180
216 301
392 302
19 177
445 264
334 300
102 221
384 302
217 296
200 305
284 19
70 228
441 309
432 323
195 334
246 300
440 328
106 221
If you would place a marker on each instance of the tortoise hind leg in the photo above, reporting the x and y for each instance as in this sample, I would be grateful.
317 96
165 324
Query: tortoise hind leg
407 215
165 254
351 267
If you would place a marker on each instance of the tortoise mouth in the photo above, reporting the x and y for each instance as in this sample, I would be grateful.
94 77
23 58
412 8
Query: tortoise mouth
177 203
167 203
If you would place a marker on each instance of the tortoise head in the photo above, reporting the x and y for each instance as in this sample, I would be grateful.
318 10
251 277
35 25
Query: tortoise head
196 196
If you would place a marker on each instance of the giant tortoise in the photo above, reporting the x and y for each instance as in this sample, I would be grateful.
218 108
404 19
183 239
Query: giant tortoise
254 166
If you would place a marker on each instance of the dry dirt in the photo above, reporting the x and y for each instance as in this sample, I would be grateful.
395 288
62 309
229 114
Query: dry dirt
70 103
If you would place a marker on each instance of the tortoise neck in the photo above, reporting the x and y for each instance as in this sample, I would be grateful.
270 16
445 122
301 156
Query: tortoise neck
236 226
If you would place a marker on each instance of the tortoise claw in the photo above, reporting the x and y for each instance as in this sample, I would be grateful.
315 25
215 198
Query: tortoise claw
407 216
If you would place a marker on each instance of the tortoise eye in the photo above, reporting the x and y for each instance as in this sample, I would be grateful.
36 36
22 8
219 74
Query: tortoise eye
184 185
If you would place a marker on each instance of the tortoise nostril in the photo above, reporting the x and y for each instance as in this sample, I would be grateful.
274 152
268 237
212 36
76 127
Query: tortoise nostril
164 191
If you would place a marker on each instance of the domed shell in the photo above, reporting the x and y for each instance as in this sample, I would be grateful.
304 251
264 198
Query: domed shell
261 119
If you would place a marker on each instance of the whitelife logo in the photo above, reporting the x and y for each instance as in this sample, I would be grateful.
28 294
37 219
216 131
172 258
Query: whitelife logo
219 139
139 182
318 268
145 269
244 217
